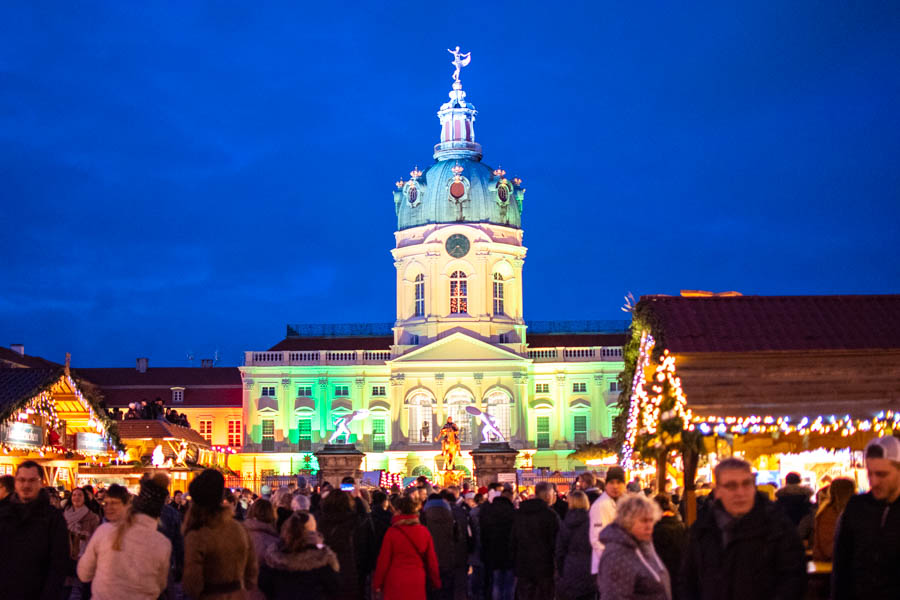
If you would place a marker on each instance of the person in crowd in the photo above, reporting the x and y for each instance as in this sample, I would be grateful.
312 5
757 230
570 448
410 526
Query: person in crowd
742 546
840 490
351 536
478 584
407 558
669 536
179 503
81 523
145 410
91 501
533 542
115 503
33 539
439 520
130 558
7 486
299 561
587 483
260 524
496 523
561 506
381 517
629 567
573 552
53 497
300 502
794 499
219 560
867 541
281 499
132 413
603 511
170 524
460 542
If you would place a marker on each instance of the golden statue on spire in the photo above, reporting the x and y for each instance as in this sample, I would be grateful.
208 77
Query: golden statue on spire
460 60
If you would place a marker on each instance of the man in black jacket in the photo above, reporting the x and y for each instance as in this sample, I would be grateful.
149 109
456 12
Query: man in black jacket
742 547
34 540
867 541
533 543
495 522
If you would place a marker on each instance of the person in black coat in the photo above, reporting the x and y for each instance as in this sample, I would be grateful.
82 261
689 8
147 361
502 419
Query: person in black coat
34 540
742 547
351 536
793 499
299 561
669 536
533 544
867 541
573 552
495 522
381 517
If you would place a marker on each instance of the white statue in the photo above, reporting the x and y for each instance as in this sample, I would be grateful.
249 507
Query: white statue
460 60
488 425
342 424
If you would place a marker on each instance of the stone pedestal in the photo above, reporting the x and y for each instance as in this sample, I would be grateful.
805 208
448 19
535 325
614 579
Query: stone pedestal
337 461
493 458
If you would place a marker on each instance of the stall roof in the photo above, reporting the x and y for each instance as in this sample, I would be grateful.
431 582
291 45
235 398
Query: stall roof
18 385
139 429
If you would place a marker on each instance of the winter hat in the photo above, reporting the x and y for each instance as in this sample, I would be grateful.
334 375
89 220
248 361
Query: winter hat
615 474
884 447
208 488
152 496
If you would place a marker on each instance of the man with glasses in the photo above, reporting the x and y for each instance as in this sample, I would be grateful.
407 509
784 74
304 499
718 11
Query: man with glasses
743 546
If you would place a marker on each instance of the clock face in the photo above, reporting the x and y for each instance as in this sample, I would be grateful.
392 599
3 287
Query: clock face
457 245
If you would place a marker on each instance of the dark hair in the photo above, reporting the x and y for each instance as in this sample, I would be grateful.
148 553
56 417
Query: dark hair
9 482
407 505
840 490
262 510
348 480
588 479
378 497
448 496
176 492
30 464
665 502
337 501
293 532
118 492
792 478
731 464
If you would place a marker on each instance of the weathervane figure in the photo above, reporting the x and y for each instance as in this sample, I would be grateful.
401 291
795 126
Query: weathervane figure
460 60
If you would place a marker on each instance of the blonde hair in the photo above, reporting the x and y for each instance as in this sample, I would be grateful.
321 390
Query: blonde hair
579 499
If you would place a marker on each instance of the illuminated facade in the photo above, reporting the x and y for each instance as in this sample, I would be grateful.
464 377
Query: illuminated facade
459 338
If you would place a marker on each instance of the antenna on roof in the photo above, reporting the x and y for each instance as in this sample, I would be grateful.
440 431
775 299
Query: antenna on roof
216 357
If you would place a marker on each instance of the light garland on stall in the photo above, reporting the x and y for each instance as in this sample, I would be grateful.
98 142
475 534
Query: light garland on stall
881 424
638 398
388 479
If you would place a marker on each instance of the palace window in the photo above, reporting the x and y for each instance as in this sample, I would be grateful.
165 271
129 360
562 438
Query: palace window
579 428
234 433
458 293
542 388
205 429
614 386
414 340
420 295
499 406
543 433
579 387
379 390
503 338
268 435
498 294
267 390
342 390
178 394
378 438
304 391
304 429
420 407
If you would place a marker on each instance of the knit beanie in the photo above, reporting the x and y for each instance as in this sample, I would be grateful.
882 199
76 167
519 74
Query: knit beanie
208 488
152 496
615 474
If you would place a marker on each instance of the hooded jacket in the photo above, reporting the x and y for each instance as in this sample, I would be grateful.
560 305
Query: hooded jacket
573 556
533 540
351 536
406 552
217 557
793 500
34 544
764 557
867 550
628 571
314 570
495 521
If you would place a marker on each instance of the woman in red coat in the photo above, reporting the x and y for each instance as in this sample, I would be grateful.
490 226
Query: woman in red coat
405 554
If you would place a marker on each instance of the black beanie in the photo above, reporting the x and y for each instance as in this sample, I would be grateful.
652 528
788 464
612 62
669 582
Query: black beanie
208 488
615 474
150 499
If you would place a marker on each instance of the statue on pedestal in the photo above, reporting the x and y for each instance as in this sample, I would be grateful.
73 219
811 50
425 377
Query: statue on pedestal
488 425
342 425
449 438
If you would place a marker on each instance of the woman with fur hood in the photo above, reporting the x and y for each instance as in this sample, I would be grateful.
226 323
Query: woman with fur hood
299 561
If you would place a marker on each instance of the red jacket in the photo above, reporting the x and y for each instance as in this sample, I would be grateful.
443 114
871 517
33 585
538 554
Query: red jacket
400 571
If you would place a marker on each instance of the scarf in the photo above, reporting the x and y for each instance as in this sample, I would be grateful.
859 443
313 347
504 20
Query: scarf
73 516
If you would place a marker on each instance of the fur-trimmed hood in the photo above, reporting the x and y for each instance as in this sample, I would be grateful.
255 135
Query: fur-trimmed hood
314 555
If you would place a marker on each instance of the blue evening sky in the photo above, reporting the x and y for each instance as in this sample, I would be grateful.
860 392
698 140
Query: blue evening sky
184 177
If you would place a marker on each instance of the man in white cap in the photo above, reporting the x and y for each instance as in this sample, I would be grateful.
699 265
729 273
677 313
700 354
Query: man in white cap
867 542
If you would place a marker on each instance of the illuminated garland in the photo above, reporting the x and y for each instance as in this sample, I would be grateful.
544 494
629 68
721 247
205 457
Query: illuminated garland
388 479
638 398
882 424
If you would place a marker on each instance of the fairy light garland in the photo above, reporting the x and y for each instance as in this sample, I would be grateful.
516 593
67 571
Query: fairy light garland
881 424
638 397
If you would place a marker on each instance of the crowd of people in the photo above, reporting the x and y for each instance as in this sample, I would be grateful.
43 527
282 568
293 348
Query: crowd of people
603 539
150 411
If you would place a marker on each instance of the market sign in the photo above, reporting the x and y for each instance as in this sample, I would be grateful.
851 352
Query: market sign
22 434
90 442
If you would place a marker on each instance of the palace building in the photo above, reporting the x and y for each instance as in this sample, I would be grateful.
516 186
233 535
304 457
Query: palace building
459 339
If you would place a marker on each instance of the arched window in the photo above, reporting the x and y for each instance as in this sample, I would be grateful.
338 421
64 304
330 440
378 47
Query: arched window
457 400
498 294
420 295
499 406
458 301
421 429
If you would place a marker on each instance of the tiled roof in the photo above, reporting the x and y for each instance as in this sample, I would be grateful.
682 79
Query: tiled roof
773 323
334 343
17 385
141 429
12 358
193 396
163 376
575 340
